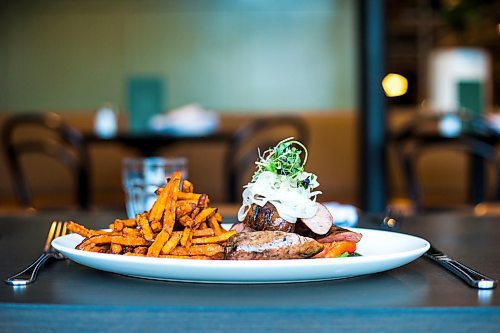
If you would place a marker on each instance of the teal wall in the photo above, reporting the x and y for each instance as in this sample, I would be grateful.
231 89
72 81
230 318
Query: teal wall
247 55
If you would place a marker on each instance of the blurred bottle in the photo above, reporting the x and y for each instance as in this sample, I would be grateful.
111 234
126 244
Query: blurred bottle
106 121
145 99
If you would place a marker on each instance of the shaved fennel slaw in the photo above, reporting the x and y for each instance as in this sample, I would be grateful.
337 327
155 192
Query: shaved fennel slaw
282 181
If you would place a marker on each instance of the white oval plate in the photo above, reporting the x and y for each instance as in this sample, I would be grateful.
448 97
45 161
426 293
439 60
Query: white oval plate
380 251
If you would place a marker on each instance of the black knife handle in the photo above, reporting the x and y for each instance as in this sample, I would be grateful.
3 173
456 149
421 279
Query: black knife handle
470 276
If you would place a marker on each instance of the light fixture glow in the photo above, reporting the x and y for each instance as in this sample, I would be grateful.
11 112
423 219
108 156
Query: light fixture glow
394 85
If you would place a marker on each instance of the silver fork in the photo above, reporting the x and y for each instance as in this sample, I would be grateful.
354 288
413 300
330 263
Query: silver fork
29 274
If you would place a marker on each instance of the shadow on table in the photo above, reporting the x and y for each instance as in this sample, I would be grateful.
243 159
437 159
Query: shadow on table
370 290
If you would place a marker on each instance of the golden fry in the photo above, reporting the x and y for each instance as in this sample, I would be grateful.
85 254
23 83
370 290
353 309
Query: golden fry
207 232
143 222
172 242
218 216
187 186
187 235
195 212
118 225
171 256
184 209
196 250
203 201
128 240
214 224
133 254
156 226
203 215
159 242
96 248
186 220
189 196
106 239
129 223
184 202
131 232
82 231
78 229
141 250
172 189
214 239
116 248
156 212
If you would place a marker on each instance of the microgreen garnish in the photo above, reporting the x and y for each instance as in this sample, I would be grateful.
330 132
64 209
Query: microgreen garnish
284 159
347 254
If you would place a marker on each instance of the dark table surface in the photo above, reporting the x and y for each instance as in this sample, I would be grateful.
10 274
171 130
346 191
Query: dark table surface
149 143
418 296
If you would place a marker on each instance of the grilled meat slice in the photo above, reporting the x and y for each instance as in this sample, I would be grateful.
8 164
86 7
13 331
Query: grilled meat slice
267 218
321 222
335 234
241 228
267 245
338 234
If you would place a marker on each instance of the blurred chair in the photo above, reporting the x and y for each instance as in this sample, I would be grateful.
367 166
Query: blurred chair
65 144
263 133
411 146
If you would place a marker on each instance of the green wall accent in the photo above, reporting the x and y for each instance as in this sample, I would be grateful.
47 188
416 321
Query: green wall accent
248 55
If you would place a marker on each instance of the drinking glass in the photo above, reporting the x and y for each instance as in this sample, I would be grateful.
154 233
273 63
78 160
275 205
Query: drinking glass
142 176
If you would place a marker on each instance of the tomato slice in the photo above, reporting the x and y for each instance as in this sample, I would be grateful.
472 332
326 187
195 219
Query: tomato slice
336 249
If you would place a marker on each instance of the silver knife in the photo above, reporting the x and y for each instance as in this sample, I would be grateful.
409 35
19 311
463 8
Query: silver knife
470 276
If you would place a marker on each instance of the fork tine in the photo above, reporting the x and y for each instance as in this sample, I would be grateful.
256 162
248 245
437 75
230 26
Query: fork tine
50 236
64 229
58 230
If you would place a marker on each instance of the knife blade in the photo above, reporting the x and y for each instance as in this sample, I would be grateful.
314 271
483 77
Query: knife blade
470 276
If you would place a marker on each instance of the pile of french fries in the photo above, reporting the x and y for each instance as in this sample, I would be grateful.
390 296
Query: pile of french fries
181 224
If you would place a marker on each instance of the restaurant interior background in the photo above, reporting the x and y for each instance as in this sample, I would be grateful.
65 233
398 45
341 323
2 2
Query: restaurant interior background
243 59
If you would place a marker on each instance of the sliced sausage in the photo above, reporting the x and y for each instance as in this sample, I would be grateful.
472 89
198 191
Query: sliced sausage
321 222
335 234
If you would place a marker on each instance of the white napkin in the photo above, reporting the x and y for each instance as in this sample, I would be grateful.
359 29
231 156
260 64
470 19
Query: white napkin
188 120
343 215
